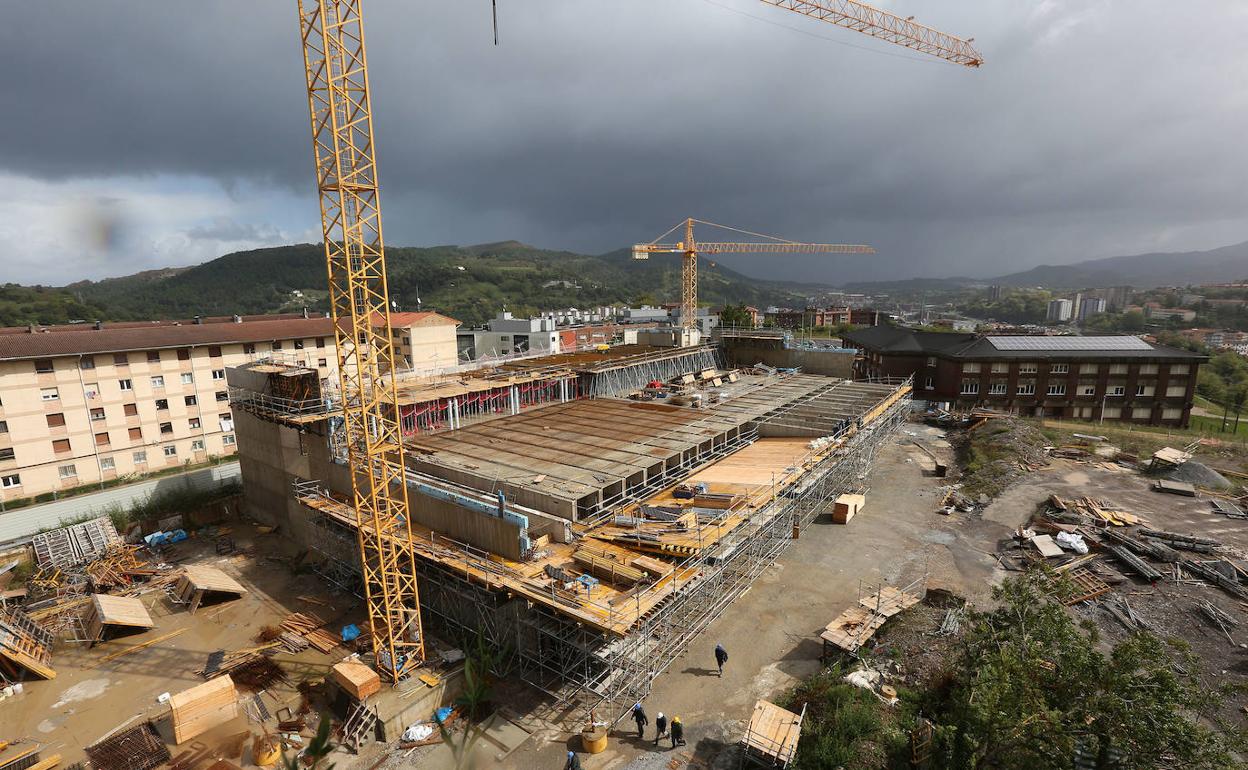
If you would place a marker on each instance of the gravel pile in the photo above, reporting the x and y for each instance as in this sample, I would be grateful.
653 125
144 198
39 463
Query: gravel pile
1197 473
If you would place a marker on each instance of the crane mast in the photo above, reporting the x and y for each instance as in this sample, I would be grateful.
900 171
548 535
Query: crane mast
346 180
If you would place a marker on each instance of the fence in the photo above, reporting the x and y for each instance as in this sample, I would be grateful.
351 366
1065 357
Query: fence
25 522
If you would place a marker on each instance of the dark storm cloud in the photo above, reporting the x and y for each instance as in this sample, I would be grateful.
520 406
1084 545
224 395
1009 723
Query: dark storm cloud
1094 128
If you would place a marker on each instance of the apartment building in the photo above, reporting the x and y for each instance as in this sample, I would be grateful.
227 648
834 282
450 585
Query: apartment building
424 342
81 404
1120 378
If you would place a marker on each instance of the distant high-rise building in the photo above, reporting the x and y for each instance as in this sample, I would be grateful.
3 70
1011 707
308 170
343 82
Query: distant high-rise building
1060 310
996 292
1089 307
1117 297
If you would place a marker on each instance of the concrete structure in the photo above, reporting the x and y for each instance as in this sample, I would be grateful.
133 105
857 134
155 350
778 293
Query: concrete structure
578 568
1158 313
1060 310
507 335
1087 378
82 404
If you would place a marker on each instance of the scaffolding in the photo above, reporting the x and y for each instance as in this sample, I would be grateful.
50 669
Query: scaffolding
588 670
634 372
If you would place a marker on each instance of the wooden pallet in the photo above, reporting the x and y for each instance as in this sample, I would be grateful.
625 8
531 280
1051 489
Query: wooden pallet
1087 586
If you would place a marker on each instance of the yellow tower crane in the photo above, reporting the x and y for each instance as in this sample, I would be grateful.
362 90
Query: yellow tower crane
346 180
691 248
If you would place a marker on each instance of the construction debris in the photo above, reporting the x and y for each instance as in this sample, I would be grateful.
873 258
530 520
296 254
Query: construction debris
199 581
1184 542
138 748
24 643
1136 564
76 544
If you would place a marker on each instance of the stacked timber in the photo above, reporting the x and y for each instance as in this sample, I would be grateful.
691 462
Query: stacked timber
846 507
357 679
606 568
201 708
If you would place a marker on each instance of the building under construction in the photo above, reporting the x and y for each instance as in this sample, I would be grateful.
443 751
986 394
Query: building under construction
587 514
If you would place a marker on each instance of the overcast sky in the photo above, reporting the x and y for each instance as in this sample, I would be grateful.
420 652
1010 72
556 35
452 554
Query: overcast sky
142 134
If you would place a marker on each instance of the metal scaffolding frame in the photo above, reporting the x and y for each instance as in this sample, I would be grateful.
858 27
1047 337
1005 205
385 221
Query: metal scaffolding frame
590 670
633 373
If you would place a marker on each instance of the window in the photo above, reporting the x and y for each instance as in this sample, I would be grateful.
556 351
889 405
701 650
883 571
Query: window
320 342
1176 391
197 445
166 427
970 368
1111 412
298 344
4 426
227 422
162 404
194 423
188 378
43 365
158 381
190 400
126 384
1143 390
970 387
101 439
1000 368
996 389
1089 368
86 362
1171 414
228 440
223 395
249 348
301 362
67 471
49 394
56 420
60 445
136 434
1028 368
171 451
131 410
153 356
1056 390
108 464
1087 390
931 360
277 344
1117 390
214 351
91 390
218 374
184 354
1141 413
1117 368
139 457
1059 368
121 359
321 362
10 481
1148 368
7 453
1178 368
1026 388
927 384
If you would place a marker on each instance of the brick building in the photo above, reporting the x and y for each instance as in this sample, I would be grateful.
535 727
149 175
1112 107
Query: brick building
1086 378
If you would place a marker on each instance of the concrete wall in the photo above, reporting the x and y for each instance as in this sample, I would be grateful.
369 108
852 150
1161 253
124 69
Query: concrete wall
24 522
749 351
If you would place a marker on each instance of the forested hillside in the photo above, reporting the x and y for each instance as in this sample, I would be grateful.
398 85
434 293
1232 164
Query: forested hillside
470 283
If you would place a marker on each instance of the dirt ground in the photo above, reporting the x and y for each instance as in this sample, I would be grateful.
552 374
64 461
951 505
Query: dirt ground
90 697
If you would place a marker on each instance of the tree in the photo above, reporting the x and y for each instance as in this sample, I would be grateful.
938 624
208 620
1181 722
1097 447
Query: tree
1031 688
736 315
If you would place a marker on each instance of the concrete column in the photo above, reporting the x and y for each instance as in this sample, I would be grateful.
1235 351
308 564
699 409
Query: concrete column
563 391
450 413
515 400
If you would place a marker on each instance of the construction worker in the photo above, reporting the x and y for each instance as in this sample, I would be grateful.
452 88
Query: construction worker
678 732
639 716
721 657
573 763
660 727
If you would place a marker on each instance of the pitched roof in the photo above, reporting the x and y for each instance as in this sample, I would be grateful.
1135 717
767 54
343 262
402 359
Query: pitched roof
23 342
424 318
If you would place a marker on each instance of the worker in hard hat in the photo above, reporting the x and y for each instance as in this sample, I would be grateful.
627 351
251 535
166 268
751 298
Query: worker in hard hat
678 732
573 763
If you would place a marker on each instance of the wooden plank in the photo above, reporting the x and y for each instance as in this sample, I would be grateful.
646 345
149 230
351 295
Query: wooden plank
203 707
122 611
137 647
205 578
773 731
888 601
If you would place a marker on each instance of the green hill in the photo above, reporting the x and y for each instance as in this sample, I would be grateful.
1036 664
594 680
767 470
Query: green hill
471 283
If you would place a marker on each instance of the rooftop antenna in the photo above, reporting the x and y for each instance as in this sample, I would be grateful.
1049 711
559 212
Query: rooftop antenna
494 12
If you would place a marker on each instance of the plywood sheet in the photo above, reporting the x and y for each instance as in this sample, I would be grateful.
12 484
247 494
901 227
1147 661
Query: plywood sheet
773 731
204 578
121 611
203 707
888 601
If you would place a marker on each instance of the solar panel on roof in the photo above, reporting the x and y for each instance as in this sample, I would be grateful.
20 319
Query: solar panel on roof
1069 343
